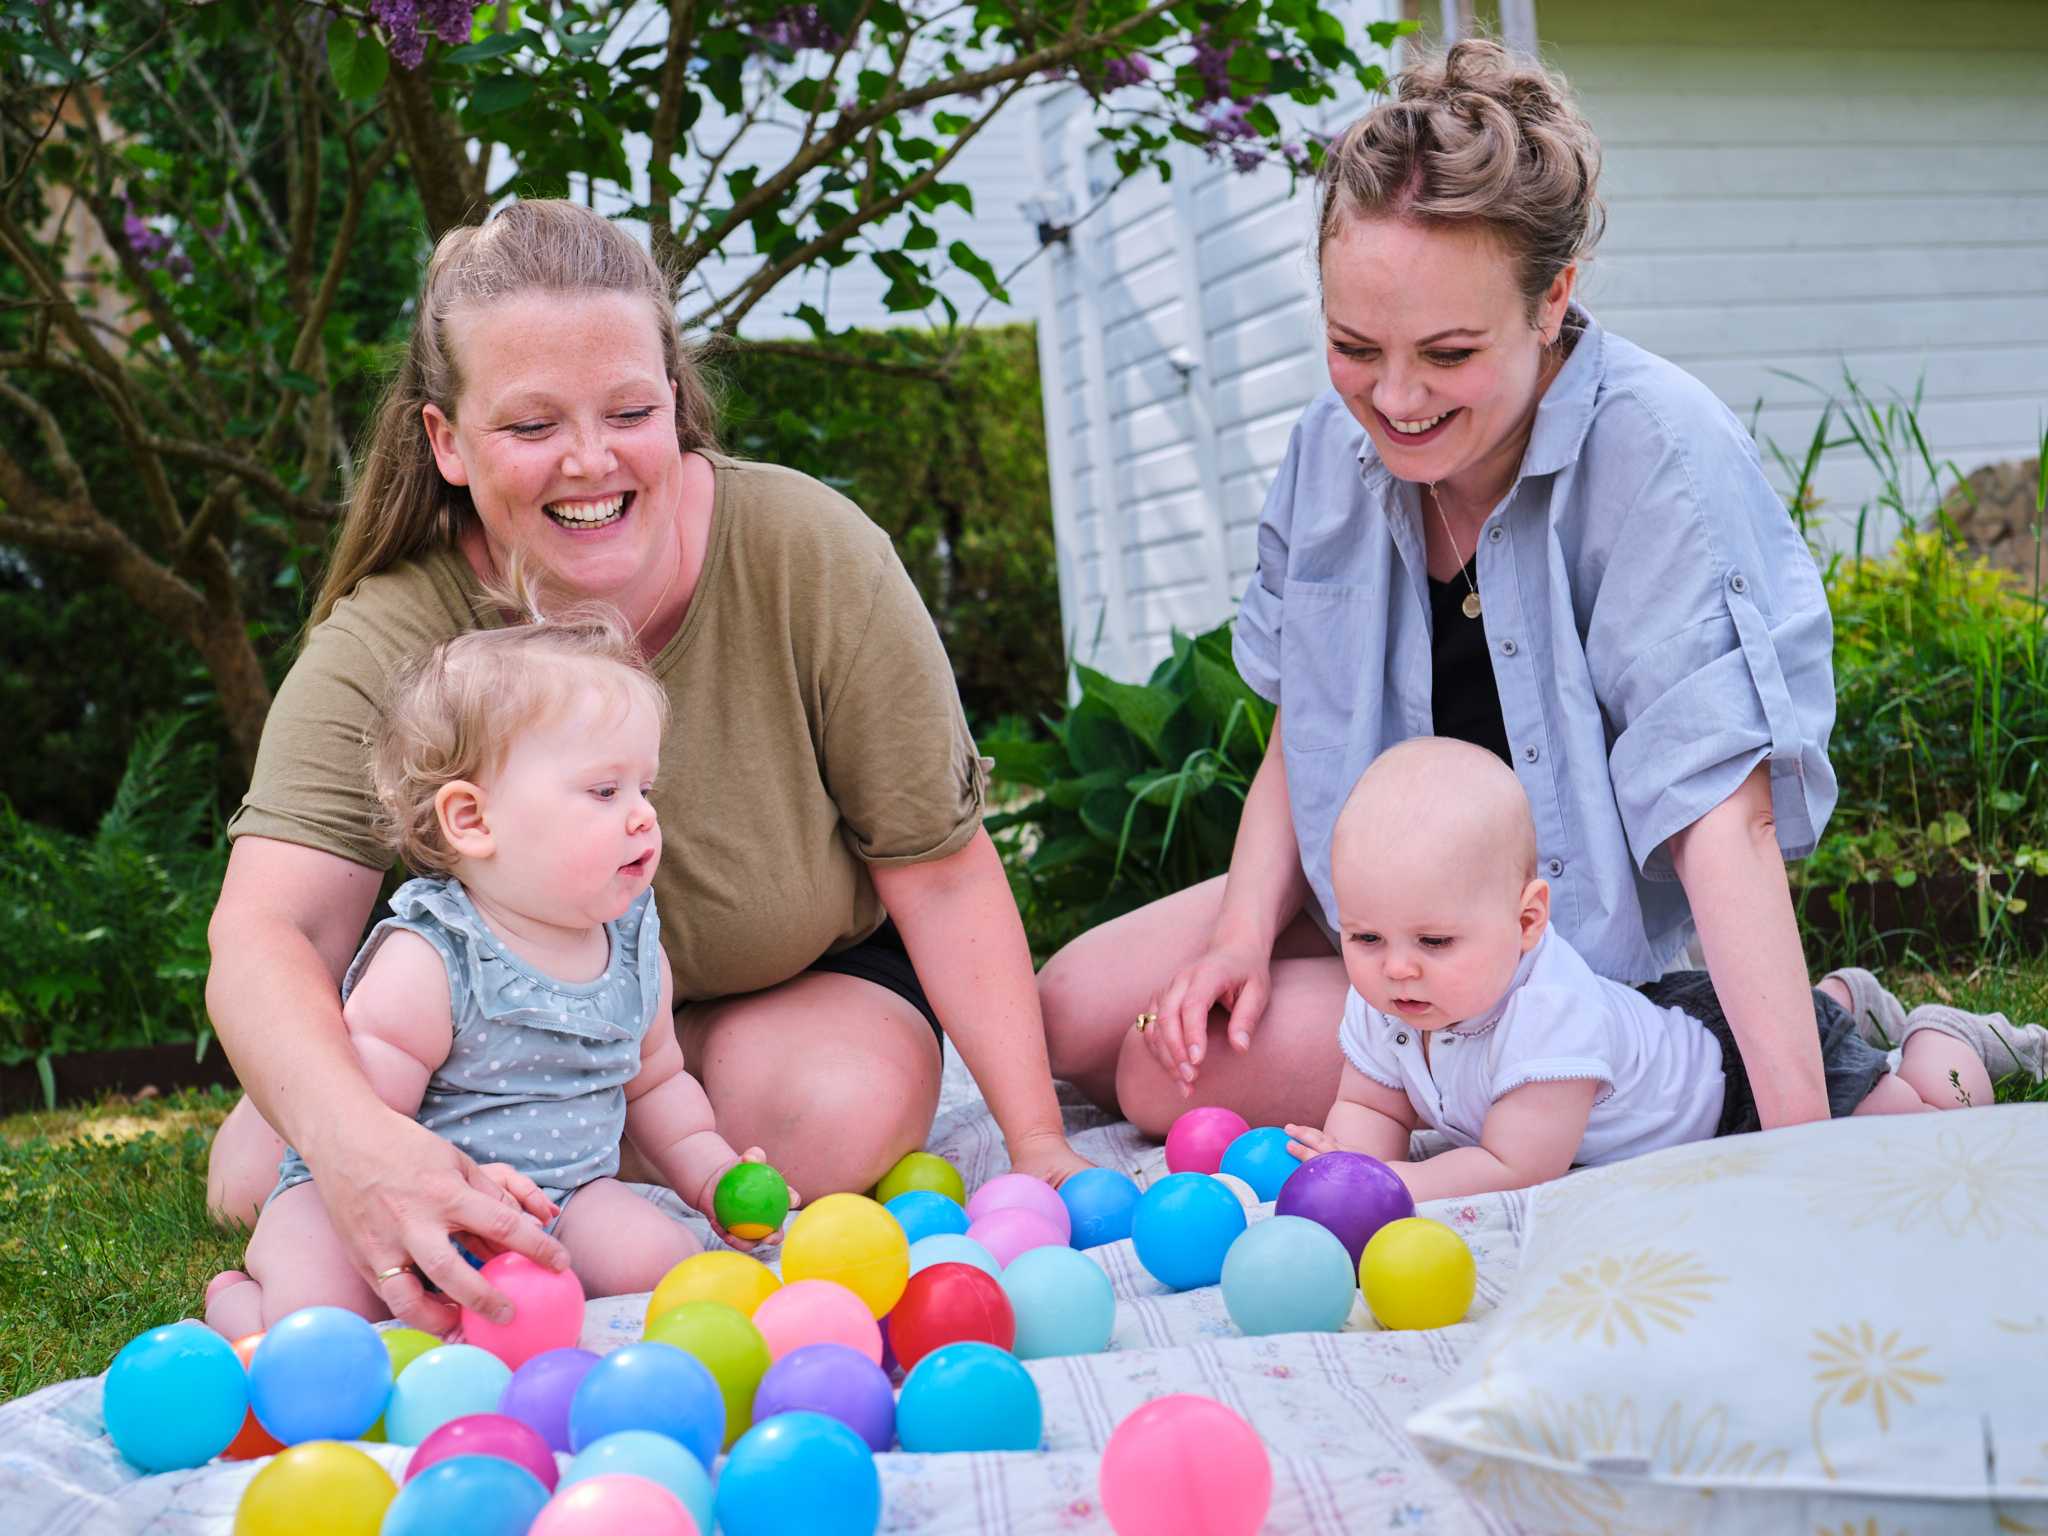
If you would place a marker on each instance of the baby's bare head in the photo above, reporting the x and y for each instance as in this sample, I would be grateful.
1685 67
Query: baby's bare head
1432 803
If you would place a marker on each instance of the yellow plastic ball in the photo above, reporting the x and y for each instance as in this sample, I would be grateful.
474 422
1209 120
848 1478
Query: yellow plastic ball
404 1345
851 1240
1417 1273
740 1282
320 1488
922 1170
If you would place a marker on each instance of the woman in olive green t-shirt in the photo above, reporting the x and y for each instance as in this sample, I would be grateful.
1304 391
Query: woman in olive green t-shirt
817 777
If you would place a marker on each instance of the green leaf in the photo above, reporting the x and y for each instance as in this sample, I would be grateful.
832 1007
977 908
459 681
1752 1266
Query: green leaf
496 46
1142 711
500 93
304 383
583 44
964 257
357 60
922 237
1097 740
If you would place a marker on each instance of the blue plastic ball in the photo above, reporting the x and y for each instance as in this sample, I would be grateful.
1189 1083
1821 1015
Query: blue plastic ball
1100 1201
1063 1301
926 1213
449 1382
475 1495
1183 1227
799 1474
174 1397
1288 1275
969 1397
952 1248
650 1385
643 1453
320 1374
1260 1157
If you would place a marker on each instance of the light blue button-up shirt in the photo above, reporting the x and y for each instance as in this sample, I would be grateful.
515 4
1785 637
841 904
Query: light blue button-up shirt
1656 624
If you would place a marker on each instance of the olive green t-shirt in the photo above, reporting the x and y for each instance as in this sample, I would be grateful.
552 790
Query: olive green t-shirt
814 730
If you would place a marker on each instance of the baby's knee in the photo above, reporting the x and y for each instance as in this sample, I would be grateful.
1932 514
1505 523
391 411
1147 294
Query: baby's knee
241 1168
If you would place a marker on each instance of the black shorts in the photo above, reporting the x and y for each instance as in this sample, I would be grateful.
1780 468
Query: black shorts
1852 1064
882 959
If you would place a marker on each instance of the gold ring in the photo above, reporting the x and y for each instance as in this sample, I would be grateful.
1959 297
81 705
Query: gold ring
1146 1020
392 1273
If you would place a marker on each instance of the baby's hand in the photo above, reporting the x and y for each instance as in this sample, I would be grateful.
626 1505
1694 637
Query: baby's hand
1306 1141
707 1200
521 1191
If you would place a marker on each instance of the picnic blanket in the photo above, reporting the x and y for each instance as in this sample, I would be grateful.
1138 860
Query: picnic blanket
1330 1406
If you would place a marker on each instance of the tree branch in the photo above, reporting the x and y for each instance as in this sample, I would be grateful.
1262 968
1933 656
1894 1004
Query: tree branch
451 189
668 116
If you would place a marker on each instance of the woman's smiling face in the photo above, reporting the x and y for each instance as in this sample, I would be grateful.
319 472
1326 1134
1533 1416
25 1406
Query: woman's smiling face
1431 346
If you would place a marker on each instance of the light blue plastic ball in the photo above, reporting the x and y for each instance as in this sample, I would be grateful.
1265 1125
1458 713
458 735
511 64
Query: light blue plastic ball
1288 1275
969 1397
650 1385
174 1397
475 1495
643 1453
926 1213
1260 1157
1063 1301
1183 1226
321 1374
1100 1201
443 1384
800 1474
952 1248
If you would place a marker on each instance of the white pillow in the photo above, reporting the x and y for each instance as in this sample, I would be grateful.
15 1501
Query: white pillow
1837 1328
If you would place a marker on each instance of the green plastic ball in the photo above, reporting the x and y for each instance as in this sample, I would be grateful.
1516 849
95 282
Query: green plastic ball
751 1201
922 1170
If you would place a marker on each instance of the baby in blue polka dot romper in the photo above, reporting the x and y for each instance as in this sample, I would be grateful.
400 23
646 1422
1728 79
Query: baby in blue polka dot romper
518 1003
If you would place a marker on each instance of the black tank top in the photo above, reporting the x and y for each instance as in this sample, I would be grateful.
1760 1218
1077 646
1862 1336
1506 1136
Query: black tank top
1464 699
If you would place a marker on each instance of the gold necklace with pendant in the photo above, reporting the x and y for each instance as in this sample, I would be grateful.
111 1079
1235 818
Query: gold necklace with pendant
1470 606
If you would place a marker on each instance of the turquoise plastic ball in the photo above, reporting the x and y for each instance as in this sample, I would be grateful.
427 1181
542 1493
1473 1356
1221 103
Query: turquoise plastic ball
174 1397
952 1248
1063 1301
926 1213
1288 1275
322 1373
1100 1202
1260 1157
799 1474
1183 1226
969 1397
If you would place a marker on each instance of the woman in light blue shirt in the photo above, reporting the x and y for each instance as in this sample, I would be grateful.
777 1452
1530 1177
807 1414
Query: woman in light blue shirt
1503 523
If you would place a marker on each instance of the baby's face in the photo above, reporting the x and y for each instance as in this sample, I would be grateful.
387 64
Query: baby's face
1434 947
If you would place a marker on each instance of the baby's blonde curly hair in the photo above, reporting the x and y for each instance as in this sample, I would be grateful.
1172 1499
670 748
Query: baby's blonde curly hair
454 712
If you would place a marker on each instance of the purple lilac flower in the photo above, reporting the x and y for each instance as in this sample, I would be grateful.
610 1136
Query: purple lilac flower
800 26
1213 65
1130 70
148 245
401 19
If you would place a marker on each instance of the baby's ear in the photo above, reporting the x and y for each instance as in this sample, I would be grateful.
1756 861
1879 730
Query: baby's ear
465 825
1535 912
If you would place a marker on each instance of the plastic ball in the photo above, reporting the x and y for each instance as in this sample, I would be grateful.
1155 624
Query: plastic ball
613 1504
1063 1302
403 1345
478 1495
1351 1194
1009 1230
445 1383
547 1310
922 1170
952 1248
1246 1195
818 1312
731 1349
945 1304
320 1374
1100 1202
969 1397
1023 1191
1183 1227
316 1489
742 1283
1417 1273
540 1391
925 1213
1260 1157
642 1453
650 1386
253 1440
175 1397
1198 1139
751 1201
487 1434
800 1474
838 1382
1288 1275
852 1240
1185 1464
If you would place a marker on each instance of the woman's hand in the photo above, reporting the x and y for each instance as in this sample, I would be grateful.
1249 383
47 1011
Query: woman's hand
1047 1157
1237 977
395 1191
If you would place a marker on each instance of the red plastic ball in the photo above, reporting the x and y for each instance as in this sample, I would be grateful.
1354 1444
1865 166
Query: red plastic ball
946 1304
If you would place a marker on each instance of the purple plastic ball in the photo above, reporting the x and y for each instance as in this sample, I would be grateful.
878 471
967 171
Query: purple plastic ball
540 1391
831 1379
1351 1194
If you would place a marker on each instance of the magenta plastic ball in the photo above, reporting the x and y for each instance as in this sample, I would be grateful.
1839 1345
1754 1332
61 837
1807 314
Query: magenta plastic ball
541 1390
1021 1191
616 1504
1185 1466
1200 1137
487 1434
1351 1194
1009 1230
547 1310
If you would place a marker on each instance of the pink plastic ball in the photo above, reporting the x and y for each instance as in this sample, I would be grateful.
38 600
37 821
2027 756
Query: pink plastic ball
817 1312
614 1503
547 1310
1200 1137
487 1434
1009 1230
1185 1466
1022 1191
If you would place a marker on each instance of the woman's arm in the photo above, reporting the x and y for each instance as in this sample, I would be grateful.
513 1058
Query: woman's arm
1734 876
959 922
